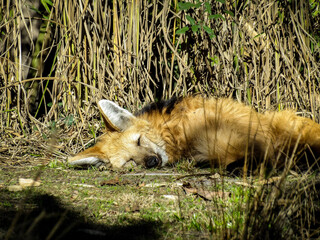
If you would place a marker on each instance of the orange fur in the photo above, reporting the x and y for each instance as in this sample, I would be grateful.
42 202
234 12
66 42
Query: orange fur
220 131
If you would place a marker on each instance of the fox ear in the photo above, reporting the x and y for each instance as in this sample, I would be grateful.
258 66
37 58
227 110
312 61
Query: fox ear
115 117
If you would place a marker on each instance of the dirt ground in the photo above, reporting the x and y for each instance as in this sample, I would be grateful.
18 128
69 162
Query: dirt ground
61 202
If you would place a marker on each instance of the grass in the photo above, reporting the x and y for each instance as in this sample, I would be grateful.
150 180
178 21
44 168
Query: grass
121 204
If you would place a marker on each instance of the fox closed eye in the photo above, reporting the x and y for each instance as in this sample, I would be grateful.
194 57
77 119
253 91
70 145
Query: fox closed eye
139 141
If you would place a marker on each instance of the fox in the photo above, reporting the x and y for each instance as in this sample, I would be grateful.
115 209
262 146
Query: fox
218 131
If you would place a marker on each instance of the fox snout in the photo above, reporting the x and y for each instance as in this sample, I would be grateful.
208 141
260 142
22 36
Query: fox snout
153 161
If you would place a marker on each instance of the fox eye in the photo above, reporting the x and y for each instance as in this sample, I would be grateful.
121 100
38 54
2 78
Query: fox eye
139 141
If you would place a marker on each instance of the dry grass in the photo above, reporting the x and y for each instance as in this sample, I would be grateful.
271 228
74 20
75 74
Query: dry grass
57 62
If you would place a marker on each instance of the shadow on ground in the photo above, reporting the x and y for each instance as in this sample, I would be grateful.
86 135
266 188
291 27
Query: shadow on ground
43 217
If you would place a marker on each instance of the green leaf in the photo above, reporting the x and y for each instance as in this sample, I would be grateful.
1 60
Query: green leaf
222 1
45 4
191 20
185 5
258 35
182 30
208 7
35 9
214 60
69 120
197 5
195 28
52 125
216 16
229 12
209 31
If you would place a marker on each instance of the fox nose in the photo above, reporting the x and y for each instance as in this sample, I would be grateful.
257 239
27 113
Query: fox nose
152 161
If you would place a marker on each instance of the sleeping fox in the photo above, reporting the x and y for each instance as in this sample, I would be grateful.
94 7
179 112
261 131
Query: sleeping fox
219 131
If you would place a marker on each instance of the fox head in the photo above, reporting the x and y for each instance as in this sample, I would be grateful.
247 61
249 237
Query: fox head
128 141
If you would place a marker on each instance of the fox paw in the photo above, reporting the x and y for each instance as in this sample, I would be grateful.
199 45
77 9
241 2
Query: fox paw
91 161
104 166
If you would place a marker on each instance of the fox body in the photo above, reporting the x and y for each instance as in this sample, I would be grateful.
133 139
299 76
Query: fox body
220 131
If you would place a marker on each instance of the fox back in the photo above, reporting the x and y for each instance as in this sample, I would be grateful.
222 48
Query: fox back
219 131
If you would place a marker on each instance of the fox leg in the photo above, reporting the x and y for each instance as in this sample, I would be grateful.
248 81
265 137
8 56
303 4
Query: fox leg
91 156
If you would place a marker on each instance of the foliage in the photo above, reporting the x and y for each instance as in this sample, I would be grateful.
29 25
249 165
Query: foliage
136 52
196 26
